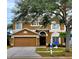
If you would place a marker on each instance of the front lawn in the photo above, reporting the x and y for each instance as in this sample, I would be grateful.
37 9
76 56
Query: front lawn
56 52
48 49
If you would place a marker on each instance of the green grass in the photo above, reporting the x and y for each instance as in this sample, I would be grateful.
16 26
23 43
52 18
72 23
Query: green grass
54 49
47 54
56 54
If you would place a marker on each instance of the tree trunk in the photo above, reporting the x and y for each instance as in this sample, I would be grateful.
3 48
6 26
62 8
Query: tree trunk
67 28
67 41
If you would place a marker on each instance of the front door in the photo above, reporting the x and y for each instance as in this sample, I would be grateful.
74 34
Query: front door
42 40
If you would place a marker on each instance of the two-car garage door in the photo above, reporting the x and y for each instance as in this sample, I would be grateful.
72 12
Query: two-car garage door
25 41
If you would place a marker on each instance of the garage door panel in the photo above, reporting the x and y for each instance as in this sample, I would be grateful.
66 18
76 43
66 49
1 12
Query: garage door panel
25 41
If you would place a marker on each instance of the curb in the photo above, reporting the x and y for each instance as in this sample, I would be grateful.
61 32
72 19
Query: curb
42 58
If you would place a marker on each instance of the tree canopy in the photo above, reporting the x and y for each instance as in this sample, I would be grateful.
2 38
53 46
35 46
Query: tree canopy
30 10
34 8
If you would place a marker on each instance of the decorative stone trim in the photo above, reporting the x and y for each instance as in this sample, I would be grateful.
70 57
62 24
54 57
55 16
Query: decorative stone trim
43 31
36 25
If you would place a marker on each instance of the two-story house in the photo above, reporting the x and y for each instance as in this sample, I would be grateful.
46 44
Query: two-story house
33 34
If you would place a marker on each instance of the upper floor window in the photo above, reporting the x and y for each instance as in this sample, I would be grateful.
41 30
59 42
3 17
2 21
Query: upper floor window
18 25
36 23
54 25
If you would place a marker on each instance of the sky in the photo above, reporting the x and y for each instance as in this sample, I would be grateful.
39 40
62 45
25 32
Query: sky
10 6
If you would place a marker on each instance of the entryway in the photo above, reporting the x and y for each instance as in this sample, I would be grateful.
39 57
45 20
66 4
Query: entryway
42 38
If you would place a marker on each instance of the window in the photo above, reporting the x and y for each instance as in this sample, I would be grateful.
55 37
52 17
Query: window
36 23
18 25
55 26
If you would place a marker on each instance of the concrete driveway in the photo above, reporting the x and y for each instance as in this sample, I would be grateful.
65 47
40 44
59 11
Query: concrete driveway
21 52
27 53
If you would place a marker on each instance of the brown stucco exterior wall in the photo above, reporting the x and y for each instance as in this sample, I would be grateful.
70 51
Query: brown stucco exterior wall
48 37
13 25
28 25
37 41
62 26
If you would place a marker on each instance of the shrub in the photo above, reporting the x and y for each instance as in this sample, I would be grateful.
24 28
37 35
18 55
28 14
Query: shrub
60 45
8 39
52 45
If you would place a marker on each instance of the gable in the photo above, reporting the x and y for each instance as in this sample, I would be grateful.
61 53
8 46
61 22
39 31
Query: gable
25 32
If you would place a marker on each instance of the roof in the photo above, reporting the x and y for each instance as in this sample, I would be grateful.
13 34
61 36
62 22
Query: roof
27 30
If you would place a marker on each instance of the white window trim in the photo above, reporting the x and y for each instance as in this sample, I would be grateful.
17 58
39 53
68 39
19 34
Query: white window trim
52 24
43 31
54 30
